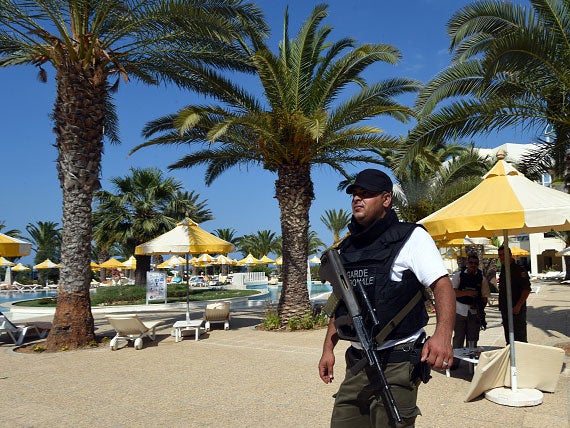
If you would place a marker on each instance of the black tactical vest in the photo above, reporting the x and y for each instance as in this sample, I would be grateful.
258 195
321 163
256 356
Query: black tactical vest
469 282
369 262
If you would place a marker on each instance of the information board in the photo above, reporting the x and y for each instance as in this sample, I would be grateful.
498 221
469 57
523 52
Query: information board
155 286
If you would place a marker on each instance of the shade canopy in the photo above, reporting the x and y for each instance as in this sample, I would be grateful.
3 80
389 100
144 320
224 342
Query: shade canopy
130 263
46 264
186 238
279 261
504 202
112 263
224 260
505 199
248 260
172 262
95 265
13 247
5 263
461 242
20 268
266 260
518 252
315 259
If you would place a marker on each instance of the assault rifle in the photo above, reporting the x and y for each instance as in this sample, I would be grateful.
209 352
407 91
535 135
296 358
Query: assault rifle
333 271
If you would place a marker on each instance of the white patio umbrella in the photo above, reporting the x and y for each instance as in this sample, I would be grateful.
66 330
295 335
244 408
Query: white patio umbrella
20 268
504 202
315 260
8 265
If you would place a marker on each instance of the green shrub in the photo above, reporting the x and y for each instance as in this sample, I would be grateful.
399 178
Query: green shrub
321 319
271 320
307 322
294 323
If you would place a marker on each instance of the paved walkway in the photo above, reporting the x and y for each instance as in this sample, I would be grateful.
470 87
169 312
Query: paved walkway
244 377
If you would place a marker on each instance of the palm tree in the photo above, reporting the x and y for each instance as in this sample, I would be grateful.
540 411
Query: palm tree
259 244
92 45
14 233
227 234
511 67
144 205
315 243
302 122
336 221
422 191
46 242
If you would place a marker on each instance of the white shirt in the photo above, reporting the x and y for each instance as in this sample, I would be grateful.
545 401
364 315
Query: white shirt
462 308
420 255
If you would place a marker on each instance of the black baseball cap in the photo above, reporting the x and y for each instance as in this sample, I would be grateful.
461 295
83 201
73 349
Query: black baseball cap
372 180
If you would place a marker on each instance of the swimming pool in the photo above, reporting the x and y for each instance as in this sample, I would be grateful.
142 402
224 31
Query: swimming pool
14 296
316 291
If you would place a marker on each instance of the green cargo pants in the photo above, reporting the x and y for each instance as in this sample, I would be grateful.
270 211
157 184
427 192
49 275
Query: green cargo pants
358 402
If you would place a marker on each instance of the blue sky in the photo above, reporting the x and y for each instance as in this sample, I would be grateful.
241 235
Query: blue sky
239 199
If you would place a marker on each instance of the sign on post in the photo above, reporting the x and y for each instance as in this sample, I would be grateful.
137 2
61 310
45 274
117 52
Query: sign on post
155 286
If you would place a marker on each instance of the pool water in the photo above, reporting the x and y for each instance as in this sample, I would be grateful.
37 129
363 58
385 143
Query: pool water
14 296
274 291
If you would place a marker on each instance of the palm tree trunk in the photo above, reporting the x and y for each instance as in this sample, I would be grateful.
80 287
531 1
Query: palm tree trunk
143 266
294 190
79 124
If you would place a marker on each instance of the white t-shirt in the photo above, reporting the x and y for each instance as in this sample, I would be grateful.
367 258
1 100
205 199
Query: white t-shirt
420 255
462 308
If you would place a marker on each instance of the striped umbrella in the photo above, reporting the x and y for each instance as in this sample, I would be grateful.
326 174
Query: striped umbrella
13 247
504 202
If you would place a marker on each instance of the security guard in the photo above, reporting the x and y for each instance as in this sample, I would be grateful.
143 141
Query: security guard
391 260
520 290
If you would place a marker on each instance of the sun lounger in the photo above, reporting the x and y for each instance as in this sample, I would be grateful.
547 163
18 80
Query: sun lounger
25 287
218 312
18 332
130 327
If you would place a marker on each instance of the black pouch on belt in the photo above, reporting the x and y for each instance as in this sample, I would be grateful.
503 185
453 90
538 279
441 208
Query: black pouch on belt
422 369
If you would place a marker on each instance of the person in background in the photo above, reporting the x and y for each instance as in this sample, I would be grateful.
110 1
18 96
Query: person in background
471 295
520 290
392 260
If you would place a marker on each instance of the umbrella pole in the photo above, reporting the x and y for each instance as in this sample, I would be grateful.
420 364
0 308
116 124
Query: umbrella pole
187 290
513 397
514 385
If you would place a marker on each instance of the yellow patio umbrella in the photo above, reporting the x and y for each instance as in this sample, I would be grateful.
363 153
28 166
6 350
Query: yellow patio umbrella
130 263
266 260
47 264
186 238
248 260
20 268
13 247
5 263
224 260
279 261
489 252
172 262
504 202
95 265
315 259
112 263
205 259
518 252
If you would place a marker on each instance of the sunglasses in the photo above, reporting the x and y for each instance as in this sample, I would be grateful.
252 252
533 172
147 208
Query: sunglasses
364 194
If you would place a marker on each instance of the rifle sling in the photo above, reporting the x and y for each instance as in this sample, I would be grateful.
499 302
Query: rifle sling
387 329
